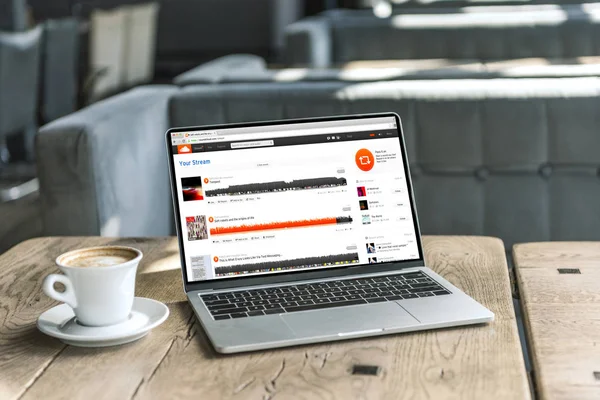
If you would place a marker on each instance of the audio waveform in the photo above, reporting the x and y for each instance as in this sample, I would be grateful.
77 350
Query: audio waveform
280 225
277 186
286 265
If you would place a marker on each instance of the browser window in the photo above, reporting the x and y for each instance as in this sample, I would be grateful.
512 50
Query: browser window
284 198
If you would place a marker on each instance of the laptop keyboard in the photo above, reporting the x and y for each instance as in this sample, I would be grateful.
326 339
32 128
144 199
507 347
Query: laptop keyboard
316 296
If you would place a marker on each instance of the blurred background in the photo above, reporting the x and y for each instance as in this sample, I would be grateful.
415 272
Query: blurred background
499 101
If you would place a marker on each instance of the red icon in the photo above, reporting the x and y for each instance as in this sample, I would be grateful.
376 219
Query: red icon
205 180
184 148
211 219
216 259
364 160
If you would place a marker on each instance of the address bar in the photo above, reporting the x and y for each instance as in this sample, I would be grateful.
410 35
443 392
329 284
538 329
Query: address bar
297 132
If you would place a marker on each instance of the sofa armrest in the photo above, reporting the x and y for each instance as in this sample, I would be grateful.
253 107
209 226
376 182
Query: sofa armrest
308 43
103 170
217 70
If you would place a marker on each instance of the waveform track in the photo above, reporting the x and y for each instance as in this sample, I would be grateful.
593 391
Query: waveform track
277 186
280 225
284 265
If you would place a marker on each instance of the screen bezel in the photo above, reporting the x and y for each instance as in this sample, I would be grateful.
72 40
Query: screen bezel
295 275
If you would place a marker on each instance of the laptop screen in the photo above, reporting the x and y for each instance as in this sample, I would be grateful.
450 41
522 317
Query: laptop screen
292 197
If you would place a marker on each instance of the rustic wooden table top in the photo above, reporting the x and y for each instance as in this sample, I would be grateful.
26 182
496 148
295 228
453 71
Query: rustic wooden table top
177 361
561 312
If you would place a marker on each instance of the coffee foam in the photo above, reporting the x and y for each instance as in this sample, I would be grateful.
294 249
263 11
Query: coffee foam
98 257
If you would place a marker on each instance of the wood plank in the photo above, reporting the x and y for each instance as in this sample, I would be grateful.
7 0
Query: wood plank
26 353
562 316
176 360
464 363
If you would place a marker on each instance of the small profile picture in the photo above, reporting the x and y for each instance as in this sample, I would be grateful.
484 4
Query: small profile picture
372 260
364 205
370 248
366 219
362 191
192 188
196 227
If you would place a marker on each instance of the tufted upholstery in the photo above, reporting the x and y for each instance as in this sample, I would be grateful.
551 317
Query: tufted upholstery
513 158
517 159
484 33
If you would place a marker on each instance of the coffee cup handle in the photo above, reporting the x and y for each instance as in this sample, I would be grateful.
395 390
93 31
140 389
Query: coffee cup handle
68 296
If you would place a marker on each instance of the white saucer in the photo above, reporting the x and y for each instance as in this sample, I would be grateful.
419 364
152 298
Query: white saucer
60 322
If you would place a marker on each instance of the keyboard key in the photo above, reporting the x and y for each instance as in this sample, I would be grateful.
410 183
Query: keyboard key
412 275
272 306
244 303
392 298
255 313
255 308
275 311
304 302
440 292
223 296
228 311
261 302
376 299
426 294
410 296
325 305
333 299
218 317
289 304
353 297
220 306
420 285
216 302
210 297
269 296
239 315
424 289
321 301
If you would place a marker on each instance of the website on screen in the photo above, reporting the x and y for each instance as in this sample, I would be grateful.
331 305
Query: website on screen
294 197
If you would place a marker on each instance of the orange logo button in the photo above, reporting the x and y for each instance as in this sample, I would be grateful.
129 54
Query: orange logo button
211 219
364 160
184 148
216 259
205 180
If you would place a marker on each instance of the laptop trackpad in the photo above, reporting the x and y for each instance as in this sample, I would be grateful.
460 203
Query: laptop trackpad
349 319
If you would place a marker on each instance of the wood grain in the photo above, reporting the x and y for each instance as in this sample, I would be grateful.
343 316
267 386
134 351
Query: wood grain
562 316
177 361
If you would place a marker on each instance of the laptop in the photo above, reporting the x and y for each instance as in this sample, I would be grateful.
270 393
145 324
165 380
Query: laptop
303 231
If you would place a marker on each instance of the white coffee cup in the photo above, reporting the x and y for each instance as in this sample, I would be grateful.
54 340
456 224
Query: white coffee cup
99 283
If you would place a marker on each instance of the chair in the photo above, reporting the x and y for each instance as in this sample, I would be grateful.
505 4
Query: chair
60 68
13 15
19 75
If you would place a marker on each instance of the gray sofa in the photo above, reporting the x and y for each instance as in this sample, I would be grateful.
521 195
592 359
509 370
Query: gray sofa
513 158
480 33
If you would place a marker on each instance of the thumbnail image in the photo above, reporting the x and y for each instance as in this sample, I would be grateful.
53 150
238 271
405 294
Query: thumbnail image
370 248
364 205
196 227
366 219
362 191
372 260
192 188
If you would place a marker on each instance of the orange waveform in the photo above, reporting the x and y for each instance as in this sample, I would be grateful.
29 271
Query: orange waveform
272 225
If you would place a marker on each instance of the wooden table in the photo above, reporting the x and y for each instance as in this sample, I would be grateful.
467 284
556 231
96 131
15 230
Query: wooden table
177 361
562 316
